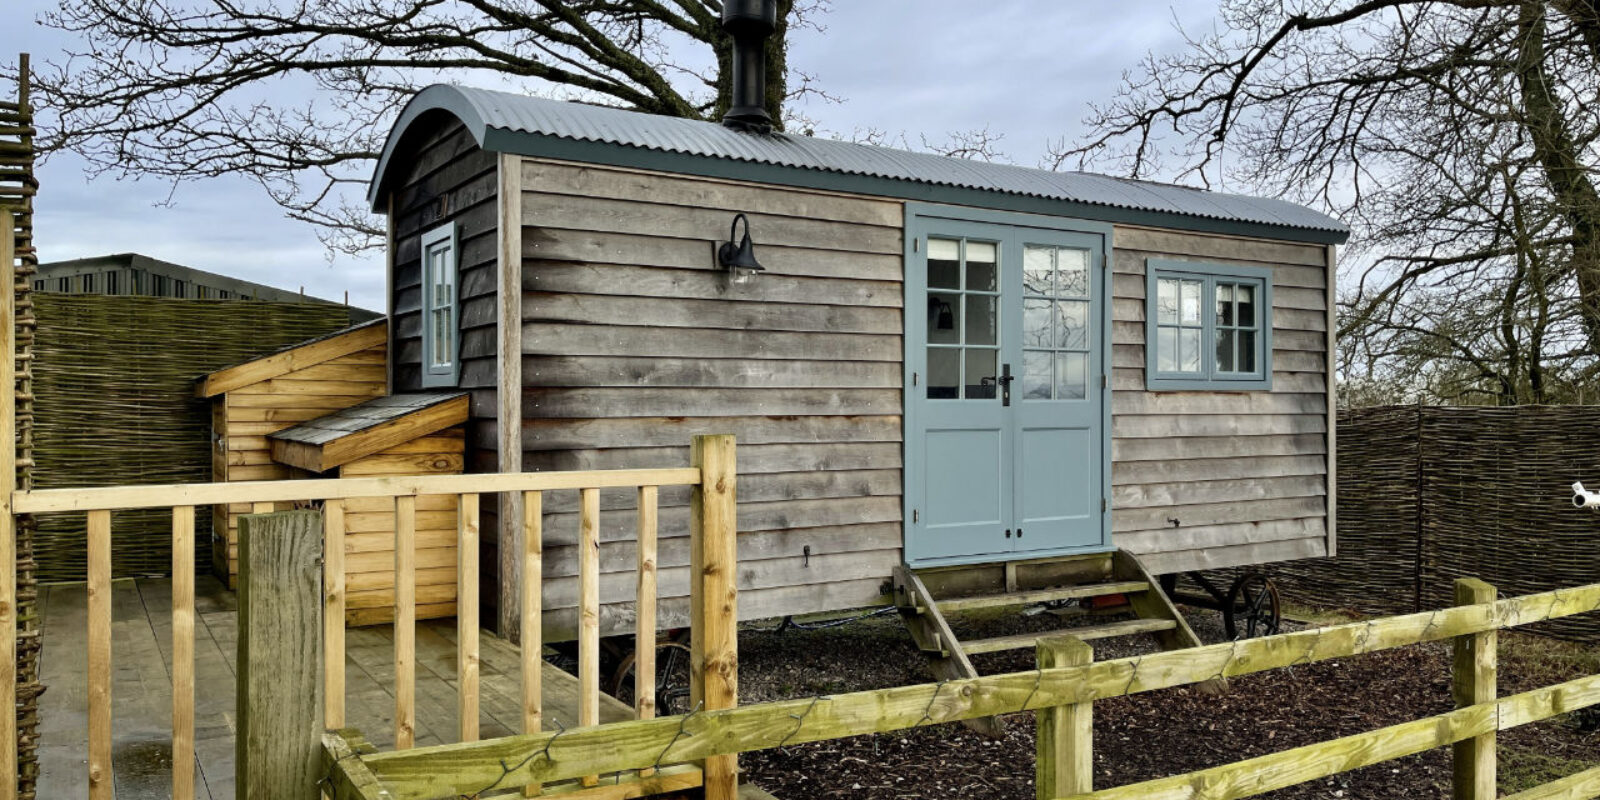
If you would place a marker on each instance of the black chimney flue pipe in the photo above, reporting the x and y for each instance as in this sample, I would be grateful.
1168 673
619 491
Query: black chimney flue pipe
749 23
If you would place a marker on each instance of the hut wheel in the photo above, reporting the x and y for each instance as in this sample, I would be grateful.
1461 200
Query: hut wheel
672 676
1252 608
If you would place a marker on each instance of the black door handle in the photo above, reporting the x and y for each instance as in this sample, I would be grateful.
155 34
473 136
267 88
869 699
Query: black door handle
1005 380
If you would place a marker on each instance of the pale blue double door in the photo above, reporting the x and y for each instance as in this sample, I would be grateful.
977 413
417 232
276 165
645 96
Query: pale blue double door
1007 398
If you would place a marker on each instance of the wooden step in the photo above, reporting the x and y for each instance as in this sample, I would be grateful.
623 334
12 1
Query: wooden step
1036 596
1023 640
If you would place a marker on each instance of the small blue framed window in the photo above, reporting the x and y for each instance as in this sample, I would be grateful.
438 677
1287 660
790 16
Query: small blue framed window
441 364
1207 326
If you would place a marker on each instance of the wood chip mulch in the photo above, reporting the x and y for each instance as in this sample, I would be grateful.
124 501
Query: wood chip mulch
1144 736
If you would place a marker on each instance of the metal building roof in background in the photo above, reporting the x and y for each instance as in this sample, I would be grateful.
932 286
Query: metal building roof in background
506 122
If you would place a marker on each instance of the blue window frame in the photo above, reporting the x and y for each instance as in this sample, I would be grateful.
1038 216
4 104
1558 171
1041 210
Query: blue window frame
441 341
1207 326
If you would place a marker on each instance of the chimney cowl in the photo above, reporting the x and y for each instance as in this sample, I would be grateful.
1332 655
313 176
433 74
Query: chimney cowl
749 23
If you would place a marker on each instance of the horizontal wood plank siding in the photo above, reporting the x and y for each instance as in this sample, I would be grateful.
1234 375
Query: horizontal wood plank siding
1212 479
447 179
634 341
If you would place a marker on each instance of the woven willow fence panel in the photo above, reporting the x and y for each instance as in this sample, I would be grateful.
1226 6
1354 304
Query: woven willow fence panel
114 383
1431 494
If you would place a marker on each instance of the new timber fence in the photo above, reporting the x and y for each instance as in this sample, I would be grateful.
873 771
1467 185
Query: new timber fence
292 618
1062 692
1428 494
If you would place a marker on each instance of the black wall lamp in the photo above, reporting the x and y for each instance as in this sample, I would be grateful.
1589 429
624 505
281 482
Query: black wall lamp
944 315
739 259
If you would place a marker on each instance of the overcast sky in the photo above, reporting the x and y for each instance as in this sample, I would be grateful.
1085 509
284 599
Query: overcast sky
1023 70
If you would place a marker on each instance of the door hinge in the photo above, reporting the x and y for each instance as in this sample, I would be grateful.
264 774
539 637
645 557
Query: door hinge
1105 381
916 245
1103 505
913 379
915 515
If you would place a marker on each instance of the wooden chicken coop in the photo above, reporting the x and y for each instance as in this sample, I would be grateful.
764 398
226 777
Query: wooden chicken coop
321 409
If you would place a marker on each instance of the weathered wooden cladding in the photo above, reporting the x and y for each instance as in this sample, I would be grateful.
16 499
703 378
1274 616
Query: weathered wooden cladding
448 179
634 340
1206 479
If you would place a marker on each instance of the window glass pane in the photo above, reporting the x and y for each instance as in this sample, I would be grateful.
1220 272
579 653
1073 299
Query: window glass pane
1225 350
1247 351
1189 350
1189 305
981 373
1167 349
944 264
1247 305
441 338
982 322
1167 301
1072 326
1225 304
981 267
1073 266
985 252
1036 324
944 317
1037 267
1072 379
944 372
1036 374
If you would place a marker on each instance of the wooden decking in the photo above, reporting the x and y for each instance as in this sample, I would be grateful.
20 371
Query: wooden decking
142 688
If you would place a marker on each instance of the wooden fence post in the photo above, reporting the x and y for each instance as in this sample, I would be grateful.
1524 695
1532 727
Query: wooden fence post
8 521
1473 682
1065 762
713 596
280 656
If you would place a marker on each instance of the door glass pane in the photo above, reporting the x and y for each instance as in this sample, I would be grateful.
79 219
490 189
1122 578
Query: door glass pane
1036 374
1072 331
981 373
1167 301
1189 304
1072 376
944 372
1036 324
944 316
1167 349
1247 351
981 267
441 338
1037 269
1073 272
1225 350
944 264
1188 350
1247 305
1225 304
982 322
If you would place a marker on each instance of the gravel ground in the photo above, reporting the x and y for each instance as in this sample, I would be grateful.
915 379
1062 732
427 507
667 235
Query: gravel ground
1149 735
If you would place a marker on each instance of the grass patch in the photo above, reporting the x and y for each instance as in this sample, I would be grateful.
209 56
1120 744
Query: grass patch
1523 768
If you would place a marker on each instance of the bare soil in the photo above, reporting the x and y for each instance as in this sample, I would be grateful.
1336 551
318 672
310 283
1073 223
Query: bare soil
1149 735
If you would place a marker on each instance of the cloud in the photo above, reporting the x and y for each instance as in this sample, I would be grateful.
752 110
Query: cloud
1026 71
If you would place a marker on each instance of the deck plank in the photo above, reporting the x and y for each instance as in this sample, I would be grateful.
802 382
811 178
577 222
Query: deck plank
142 695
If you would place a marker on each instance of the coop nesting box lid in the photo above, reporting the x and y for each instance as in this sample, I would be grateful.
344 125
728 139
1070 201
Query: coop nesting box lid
362 430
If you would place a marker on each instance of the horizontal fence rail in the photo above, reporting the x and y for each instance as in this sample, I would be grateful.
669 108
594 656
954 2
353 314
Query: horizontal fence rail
127 498
509 762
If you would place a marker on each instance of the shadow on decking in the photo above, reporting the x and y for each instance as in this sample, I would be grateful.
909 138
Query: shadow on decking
141 688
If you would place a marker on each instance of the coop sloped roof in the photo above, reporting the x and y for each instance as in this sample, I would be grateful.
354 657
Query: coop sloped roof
361 430
310 352
506 122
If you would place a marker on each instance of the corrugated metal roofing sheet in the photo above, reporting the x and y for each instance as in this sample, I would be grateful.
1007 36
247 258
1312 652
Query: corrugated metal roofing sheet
483 109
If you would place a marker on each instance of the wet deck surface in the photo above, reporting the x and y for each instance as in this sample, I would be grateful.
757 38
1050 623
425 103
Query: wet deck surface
141 691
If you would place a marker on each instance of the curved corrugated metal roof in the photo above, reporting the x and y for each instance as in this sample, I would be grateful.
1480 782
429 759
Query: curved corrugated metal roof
516 123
